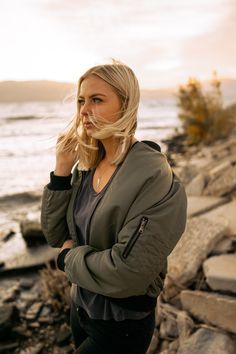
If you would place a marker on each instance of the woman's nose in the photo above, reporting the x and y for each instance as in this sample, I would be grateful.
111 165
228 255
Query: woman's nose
85 109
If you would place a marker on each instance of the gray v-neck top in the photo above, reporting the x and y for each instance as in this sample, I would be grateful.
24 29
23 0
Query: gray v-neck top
97 306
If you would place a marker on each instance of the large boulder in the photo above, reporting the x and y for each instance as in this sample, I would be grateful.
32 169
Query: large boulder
211 308
220 272
31 230
207 341
18 257
199 205
228 211
196 243
197 185
223 184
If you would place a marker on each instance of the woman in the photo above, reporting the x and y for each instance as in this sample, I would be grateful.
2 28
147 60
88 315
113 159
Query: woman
116 218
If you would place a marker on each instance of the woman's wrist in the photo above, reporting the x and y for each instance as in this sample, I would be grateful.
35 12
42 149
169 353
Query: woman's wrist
59 183
62 170
61 259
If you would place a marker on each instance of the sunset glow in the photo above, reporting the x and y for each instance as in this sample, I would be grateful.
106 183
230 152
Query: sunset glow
164 41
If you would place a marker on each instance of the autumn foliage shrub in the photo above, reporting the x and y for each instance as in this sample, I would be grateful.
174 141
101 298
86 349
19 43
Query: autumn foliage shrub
204 119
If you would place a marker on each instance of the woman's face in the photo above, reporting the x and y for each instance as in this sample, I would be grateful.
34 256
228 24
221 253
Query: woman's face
97 98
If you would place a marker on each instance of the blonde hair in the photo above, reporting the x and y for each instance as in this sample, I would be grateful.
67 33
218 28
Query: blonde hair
90 150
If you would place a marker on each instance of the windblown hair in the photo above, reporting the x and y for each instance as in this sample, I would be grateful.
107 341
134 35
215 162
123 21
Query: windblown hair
90 150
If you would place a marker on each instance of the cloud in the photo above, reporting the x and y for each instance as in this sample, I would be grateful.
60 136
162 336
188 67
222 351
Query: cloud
216 49
59 38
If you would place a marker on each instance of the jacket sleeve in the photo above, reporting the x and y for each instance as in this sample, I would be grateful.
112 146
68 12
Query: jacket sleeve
142 247
55 200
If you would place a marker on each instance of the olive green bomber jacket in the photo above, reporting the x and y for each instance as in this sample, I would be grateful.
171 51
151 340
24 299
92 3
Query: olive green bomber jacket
134 228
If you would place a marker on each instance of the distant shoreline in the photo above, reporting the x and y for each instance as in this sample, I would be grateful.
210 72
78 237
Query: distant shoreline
29 91
47 91
39 91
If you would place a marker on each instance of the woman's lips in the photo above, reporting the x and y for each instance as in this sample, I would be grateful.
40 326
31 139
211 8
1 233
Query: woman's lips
88 125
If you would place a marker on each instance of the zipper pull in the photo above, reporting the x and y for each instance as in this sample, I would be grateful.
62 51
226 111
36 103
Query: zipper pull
135 237
143 224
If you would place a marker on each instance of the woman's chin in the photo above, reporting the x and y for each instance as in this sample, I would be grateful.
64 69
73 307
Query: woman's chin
91 132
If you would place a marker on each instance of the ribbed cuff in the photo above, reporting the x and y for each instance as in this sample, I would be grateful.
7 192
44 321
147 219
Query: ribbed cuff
59 183
61 259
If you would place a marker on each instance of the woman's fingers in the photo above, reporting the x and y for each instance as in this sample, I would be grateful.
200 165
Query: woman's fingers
66 155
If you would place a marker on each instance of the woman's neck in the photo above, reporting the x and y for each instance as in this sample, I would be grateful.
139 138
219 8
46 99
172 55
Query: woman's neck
110 146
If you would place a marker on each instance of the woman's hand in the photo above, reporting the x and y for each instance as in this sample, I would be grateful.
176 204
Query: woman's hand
67 244
65 159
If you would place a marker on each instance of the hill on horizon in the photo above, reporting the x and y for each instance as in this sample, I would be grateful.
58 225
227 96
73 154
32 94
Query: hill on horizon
46 90
42 90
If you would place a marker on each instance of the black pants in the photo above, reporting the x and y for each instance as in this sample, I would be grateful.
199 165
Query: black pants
110 337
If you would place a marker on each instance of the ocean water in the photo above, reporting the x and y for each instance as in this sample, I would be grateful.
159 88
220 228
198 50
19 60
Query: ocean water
28 133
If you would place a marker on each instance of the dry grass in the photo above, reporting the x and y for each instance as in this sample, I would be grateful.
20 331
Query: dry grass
202 113
55 288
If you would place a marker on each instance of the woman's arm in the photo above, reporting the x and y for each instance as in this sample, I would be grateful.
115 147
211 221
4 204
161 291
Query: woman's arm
144 243
56 197
55 201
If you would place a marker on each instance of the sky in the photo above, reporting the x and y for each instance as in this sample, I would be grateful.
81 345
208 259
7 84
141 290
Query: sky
164 41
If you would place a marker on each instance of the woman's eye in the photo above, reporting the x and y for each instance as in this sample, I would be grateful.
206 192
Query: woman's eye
80 101
97 100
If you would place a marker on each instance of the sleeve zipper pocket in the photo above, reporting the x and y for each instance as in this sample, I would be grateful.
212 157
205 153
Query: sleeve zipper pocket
135 236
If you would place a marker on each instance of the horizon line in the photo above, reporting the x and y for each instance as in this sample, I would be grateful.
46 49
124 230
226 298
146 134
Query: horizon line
225 78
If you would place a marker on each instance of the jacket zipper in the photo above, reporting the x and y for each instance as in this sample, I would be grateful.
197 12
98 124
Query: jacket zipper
135 236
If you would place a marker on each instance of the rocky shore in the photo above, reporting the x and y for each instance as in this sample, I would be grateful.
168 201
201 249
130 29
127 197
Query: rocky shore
195 311
34 296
